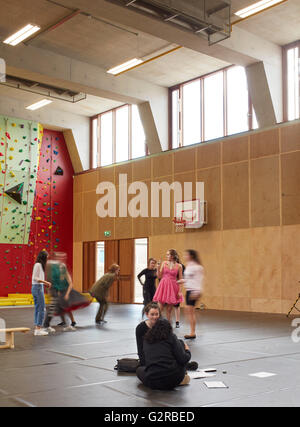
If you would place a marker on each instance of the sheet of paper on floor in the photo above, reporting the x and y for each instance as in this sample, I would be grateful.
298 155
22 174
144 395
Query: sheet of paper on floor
215 384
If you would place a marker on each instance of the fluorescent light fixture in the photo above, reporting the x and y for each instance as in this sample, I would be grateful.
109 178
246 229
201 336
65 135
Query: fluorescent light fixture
39 104
21 35
126 66
257 7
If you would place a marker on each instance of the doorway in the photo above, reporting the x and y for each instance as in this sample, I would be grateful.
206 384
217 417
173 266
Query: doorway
141 261
130 254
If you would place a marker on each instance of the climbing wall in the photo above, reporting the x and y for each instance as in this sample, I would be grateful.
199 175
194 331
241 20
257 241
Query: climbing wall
19 154
36 200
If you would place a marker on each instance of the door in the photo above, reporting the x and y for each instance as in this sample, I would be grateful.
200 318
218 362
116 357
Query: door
121 252
89 265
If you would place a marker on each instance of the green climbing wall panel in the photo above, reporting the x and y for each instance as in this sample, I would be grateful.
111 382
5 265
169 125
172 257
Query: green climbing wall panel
19 161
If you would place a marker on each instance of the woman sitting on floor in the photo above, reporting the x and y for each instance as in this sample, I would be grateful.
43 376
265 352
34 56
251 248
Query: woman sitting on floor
166 358
153 313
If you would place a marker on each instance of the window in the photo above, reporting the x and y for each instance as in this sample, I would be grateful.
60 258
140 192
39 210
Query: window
138 141
237 101
122 134
210 107
292 83
95 139
106 138
175 118
191 113
117 136
213 107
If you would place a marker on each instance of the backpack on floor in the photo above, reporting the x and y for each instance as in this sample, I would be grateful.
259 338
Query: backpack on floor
127 365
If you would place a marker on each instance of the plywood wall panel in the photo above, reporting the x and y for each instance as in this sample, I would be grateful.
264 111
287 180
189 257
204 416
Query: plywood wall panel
89 217
162 165
265 263
264 305
123 228
162 226
212 194
77 266
106 174
208 155
290 165
236 263
141 169
77 184
265 200
125 168
264 143
184 160
235 196
234 303
236 149
290 138
89 181
188 177
290 262
159 245
106 224
141 226
210 249
77 217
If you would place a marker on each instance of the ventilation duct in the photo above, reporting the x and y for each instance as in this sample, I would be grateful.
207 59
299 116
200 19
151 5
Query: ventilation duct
209 19
43 89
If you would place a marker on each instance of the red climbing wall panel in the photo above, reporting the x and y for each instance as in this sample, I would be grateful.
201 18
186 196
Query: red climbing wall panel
52 218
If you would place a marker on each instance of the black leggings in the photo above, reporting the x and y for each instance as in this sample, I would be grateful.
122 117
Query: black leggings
166 383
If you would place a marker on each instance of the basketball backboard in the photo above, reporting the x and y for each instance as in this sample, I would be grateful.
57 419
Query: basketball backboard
193 212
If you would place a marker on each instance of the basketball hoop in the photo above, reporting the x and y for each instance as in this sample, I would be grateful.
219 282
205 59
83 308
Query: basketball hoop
179 225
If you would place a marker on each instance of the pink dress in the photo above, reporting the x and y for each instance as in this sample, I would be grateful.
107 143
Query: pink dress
168 288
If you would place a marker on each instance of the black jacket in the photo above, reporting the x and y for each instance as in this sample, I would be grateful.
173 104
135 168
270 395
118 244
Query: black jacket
165 358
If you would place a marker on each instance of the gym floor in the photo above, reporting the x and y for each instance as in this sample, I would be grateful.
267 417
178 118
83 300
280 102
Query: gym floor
77 368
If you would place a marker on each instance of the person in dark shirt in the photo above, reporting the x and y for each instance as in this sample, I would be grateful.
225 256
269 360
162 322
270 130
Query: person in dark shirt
153 313
166 358
149 288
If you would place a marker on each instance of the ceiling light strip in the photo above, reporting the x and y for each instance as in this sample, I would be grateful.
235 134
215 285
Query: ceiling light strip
22 34
149 60
258 7
124 67
39 104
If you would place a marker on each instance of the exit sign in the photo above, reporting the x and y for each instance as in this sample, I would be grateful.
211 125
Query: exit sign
107 233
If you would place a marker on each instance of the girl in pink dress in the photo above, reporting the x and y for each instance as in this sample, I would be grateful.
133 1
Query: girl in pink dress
168 291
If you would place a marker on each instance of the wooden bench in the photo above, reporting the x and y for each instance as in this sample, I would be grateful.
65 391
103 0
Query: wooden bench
10 338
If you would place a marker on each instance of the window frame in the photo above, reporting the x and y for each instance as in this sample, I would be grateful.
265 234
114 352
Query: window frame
285 76
202 78
114 135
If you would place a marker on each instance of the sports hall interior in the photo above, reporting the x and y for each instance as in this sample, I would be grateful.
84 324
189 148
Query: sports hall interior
217 103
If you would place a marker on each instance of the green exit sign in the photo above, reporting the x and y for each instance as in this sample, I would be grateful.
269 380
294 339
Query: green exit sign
107 233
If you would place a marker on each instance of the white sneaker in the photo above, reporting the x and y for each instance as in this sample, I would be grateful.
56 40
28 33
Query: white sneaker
69 328
49 329
40 332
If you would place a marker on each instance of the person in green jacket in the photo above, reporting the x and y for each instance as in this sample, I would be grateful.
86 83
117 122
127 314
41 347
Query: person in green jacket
100 290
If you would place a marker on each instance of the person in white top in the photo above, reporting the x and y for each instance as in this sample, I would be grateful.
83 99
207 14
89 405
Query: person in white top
193 283
37 290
